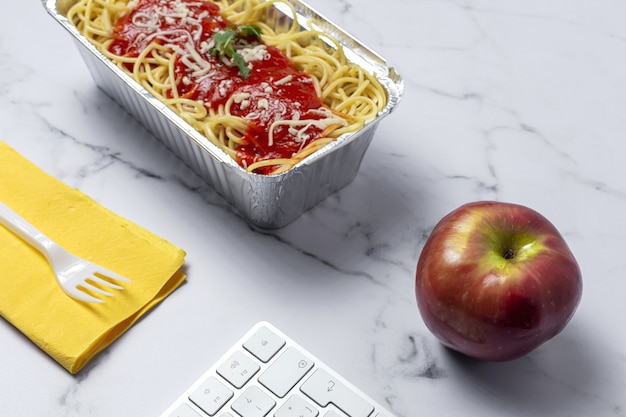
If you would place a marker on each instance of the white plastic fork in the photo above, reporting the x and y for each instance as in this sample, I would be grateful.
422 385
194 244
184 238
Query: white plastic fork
73 273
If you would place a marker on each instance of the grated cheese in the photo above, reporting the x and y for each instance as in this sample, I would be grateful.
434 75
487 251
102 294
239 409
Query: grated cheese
256 53
300 134
284 80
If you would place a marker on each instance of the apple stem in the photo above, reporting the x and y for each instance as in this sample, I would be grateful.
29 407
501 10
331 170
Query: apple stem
508 254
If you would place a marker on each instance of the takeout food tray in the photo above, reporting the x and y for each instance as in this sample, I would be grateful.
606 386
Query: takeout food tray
266 201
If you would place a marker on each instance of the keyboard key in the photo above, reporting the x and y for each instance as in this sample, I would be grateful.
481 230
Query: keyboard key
183 410
264 344
253 403
238 369
210 396
296 406
334 413
324 389
286 371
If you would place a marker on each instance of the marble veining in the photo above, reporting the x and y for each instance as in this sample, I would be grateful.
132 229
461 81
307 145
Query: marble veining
517 101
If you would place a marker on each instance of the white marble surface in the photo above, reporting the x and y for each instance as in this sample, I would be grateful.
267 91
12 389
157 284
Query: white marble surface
519 101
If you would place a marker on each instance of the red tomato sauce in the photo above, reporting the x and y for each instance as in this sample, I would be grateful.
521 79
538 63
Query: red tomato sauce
274 90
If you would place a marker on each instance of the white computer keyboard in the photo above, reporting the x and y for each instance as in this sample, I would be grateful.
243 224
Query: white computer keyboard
268 374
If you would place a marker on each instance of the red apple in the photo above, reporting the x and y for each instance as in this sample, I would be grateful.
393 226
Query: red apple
496 280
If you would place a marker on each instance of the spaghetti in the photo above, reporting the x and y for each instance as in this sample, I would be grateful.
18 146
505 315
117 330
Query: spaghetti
266 97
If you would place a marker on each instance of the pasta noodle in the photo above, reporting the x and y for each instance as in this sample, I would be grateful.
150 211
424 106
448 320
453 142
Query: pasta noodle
269 99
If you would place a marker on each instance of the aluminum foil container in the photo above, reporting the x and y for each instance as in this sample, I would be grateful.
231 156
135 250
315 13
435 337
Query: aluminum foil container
266 201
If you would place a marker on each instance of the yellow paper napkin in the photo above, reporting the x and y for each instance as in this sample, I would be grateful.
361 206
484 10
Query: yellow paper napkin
71 331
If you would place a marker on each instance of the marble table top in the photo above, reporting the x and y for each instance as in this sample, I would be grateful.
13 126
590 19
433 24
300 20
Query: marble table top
519 101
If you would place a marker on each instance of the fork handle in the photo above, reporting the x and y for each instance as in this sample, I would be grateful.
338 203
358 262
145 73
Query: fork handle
18 225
